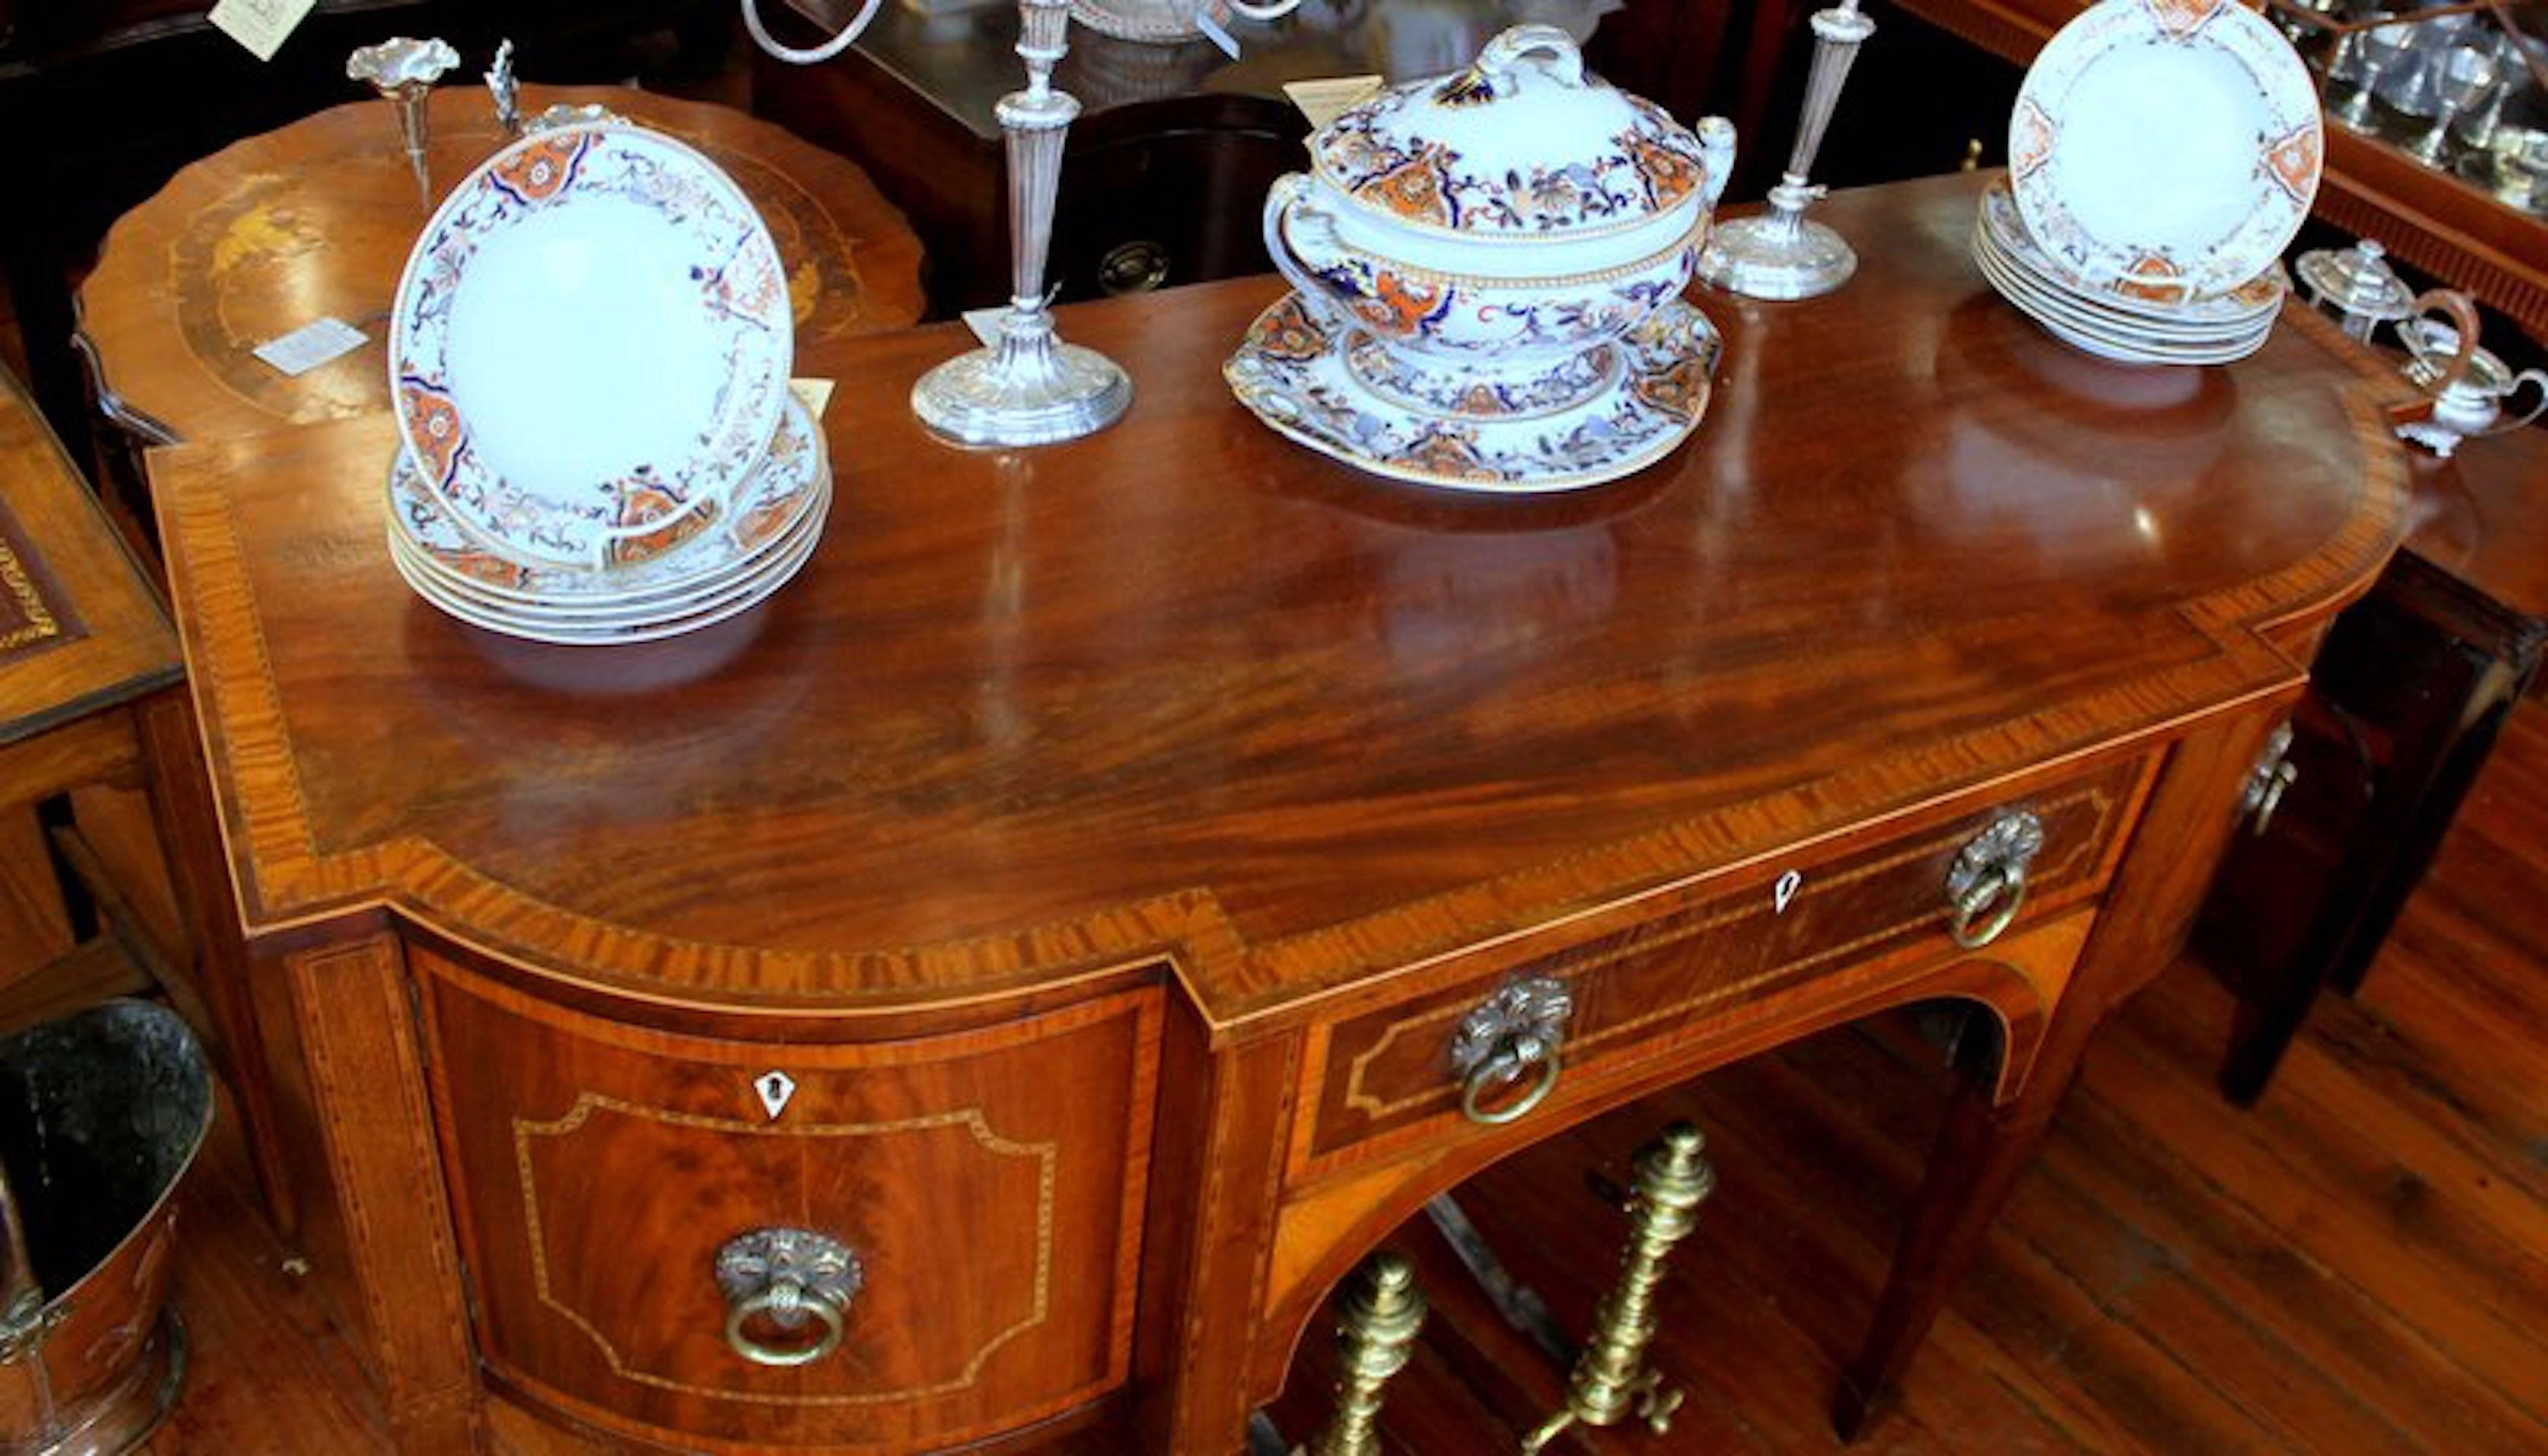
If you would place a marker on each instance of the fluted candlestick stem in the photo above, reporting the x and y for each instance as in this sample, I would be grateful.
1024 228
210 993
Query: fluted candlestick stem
1780 255
1029 389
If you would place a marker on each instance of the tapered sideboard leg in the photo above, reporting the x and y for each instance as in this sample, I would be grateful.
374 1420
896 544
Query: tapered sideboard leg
2184 827
1980 1153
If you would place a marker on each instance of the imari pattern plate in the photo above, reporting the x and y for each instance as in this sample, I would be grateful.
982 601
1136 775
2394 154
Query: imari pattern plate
2166 149
590 343
1291 374
717 544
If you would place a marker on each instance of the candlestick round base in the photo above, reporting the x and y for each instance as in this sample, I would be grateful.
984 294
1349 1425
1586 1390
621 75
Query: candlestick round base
1059 392
1775 256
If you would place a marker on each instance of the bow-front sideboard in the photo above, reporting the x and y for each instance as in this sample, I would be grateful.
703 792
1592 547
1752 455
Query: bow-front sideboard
1049 919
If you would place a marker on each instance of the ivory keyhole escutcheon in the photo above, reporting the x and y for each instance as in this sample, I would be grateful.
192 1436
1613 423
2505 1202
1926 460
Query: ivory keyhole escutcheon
775 1088
1784 891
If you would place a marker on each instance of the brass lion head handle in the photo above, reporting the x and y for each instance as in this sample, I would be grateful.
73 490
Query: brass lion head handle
1986 884
1512 1035
792 1283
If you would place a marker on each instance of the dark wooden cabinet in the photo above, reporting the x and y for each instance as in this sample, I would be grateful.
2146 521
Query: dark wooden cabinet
2409 689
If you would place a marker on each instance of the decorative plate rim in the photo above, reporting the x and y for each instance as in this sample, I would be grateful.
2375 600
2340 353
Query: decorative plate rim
761 392
2282 79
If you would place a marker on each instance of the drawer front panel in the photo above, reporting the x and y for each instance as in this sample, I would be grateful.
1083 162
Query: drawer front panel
1386 1078
987 1185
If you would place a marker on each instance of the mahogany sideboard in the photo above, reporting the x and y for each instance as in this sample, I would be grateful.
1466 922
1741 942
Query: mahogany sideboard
1063 894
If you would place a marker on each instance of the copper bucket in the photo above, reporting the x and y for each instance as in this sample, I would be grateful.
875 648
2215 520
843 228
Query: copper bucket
101 1113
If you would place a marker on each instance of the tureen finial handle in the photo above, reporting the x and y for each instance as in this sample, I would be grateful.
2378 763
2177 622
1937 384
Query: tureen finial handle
1550 50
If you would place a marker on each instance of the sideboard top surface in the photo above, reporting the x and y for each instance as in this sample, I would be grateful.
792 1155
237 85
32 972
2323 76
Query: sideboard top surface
1186 688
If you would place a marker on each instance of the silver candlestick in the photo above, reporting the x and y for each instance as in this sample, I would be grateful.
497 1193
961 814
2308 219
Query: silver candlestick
1781 255
1031 387
404 71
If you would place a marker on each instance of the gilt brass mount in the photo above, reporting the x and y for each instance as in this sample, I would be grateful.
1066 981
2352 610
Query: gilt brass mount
1376 1325
1612 1380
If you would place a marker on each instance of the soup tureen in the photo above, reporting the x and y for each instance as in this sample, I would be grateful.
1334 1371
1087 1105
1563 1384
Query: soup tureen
1483 237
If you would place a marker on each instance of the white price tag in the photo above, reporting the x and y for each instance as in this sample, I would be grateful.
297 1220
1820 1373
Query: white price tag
814 394
986 324
261 26
310 345
1324 101
1214 20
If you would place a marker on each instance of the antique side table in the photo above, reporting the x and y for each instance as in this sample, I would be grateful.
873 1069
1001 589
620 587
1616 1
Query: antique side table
93 717
315 219
1062 898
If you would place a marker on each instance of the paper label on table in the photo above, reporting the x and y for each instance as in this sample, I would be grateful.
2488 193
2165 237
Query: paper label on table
814 394
310 345
986 324
1214 20
261 26
1324 101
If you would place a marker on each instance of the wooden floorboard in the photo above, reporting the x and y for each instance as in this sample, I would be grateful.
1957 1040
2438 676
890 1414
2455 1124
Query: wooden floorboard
2358 1264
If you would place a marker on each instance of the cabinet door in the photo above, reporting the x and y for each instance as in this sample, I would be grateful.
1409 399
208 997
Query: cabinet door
977 1194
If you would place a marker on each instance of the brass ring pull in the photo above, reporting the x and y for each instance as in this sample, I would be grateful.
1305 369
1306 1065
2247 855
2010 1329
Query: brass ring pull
2002 892
1987 881
2271 778
1502 1037
784 1304
788 1277
1507 1069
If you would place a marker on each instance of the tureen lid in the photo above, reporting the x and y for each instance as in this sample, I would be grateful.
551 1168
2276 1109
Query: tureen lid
1521 146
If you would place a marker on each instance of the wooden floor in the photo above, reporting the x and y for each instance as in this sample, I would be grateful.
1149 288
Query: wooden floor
2360 1264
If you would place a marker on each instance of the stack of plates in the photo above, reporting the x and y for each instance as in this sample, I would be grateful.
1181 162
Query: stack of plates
713 572
588 359
2161 156
2119 325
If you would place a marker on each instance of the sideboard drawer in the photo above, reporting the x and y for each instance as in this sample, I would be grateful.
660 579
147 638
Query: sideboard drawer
988 1186
1388 1077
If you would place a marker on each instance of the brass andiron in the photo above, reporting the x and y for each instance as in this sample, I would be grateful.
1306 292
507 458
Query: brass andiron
1376 1329
1610 1380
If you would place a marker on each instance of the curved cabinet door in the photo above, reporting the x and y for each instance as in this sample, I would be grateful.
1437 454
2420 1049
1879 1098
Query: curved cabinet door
924 1242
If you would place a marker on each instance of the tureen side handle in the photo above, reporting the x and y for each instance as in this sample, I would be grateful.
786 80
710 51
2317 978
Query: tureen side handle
1716 148
1290 193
